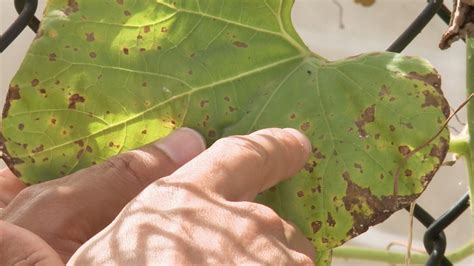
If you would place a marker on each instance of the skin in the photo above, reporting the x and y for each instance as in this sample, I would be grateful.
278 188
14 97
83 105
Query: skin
161 204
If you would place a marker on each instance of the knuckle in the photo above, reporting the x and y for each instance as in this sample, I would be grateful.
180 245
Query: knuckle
131 164
245 146
28 193
264 216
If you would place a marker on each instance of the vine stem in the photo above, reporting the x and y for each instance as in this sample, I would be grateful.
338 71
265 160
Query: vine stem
394 257
470 118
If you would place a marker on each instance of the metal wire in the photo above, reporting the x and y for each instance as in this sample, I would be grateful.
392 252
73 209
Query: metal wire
434 238
436 227
437 243
19 24
34 21
416 26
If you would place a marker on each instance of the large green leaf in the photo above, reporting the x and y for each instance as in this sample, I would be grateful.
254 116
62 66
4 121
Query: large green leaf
103 77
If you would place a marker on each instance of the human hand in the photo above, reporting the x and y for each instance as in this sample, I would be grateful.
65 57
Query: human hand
10 186
66 212
203 213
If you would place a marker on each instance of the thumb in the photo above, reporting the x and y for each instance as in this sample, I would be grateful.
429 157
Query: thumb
106 188
145 165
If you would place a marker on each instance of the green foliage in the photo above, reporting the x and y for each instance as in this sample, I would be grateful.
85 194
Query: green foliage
104 77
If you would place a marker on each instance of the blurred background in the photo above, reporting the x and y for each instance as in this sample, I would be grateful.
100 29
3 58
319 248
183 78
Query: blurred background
337 29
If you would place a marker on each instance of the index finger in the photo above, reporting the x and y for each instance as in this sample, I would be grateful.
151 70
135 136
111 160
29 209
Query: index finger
240 167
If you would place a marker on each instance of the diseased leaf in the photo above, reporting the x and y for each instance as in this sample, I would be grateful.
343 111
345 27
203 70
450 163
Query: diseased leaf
103 77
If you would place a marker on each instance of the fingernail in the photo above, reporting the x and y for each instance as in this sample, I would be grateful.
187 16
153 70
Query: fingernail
182 145
301 138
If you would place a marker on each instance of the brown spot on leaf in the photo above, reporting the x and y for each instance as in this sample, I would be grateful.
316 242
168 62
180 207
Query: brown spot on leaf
439 151
74 99
226 98
34 82
434 79
72 7
38 149
92 55
53 121
408 172
392 128
309 167
384 91
316 189
146 29
79 142
164 29
316 225
125 51
430 99
359 166
407 125
127 13
305 126
90 37
52 57
346 175
331 222
89 149
13 94
404 150
203 103
367 209
120 2
21 126
240 44
144 132
300 194
368 116
317 153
